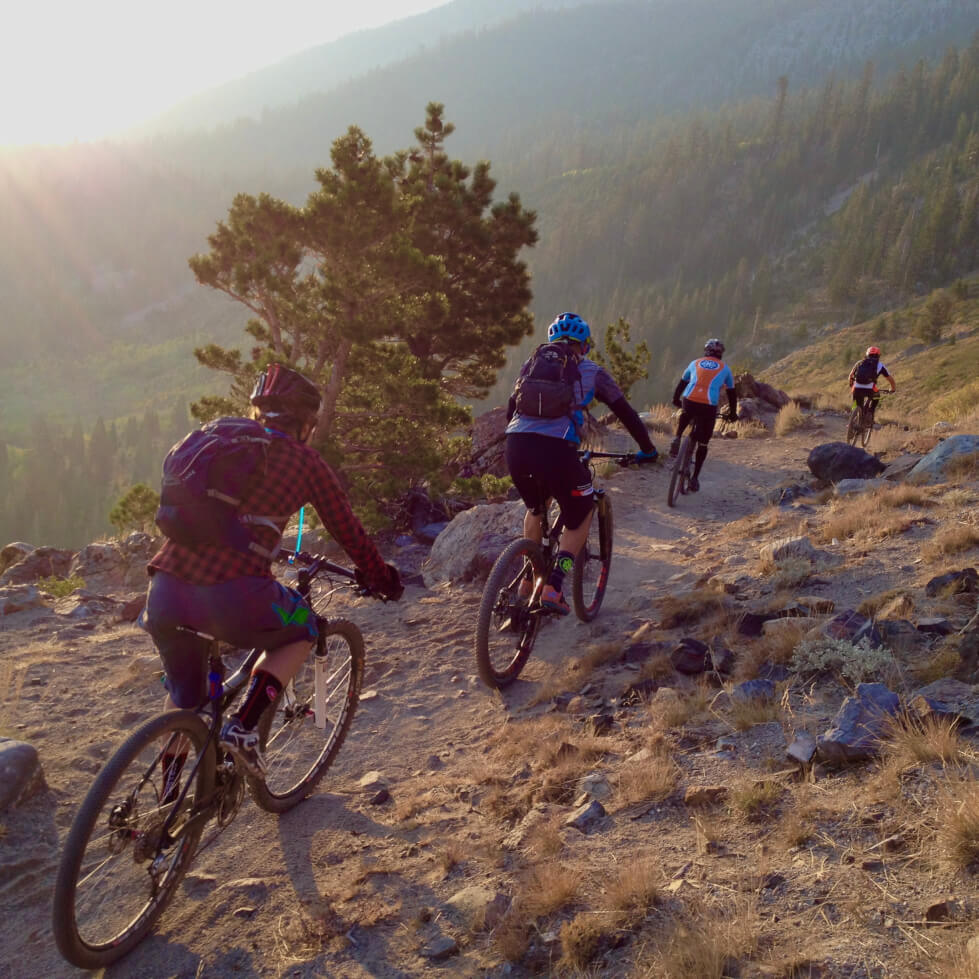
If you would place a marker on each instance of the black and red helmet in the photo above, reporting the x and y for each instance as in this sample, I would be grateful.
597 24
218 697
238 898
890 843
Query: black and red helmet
282 391
872 352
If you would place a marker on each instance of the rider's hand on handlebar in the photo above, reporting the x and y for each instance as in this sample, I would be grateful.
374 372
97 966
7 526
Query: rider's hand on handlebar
391 590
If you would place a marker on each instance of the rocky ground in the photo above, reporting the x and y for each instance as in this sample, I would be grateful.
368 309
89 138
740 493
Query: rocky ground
608 814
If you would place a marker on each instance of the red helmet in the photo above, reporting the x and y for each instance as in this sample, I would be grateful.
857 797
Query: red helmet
872 352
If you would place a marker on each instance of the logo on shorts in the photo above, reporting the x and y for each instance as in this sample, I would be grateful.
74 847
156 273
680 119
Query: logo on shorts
298 616
271 692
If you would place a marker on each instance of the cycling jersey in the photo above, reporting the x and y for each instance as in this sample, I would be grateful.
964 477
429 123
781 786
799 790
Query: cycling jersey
705 377
881 371
596 383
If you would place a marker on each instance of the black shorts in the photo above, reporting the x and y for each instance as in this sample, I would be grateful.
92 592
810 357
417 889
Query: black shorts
703 418
543 467
865 394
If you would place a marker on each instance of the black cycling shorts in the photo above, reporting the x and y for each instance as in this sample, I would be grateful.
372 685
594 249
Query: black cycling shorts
702 417
543 467
863 394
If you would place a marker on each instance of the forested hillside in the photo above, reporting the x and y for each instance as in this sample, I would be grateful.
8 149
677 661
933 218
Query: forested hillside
761 220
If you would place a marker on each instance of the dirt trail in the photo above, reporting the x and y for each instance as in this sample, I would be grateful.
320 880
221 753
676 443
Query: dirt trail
338 887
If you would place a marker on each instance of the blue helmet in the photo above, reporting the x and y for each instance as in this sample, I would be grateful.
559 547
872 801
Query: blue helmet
569 326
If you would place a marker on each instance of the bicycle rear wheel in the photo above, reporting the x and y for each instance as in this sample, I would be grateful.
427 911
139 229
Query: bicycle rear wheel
303 729
680 477
507 623
591 567
866 427
119 869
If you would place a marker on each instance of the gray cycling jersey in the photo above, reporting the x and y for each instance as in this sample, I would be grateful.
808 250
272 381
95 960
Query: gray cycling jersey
596 383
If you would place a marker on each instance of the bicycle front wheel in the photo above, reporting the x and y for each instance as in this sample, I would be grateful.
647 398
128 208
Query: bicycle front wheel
507 624
590 576
303 729
853 427
121 863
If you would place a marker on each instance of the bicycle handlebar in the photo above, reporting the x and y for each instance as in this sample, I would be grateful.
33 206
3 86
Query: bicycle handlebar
623 458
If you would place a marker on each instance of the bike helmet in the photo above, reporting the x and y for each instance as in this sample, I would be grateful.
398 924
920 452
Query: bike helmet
873 352
569 326
714 348
283 392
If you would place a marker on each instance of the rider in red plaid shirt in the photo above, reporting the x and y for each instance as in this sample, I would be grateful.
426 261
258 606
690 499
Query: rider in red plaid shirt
232 594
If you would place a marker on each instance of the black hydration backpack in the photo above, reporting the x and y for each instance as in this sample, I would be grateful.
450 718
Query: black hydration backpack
866 371
548 388
205 477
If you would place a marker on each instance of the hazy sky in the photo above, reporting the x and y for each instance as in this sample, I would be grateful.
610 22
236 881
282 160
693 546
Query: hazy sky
82 69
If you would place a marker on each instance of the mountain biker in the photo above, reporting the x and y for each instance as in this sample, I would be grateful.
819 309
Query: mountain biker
232 595
863 380
697 395
542 457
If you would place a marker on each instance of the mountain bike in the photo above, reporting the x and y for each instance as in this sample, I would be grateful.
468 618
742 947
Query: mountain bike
681 472
861 422
139 826
510 612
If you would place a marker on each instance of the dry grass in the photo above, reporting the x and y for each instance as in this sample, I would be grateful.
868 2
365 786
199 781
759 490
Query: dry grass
547 888
583 937
577 671
944 661
751 430
776 647
633 890
667 715
958 821
861 516
787 573
704 942
660 419
910 738
962 468
872 605
755 799
702 606
790 419
950 540
648 780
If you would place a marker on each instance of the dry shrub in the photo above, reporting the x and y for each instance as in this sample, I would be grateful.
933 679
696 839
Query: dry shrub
944 661
545 839
702 606
958 821
512 936
860 515
704 943
546 888
633 891
650 779
452 854
751 429
755 799
797 825
583 937
667 714
903 494
788 573
659 666
660 419
776 647
790 418
871 606
951 540
911 738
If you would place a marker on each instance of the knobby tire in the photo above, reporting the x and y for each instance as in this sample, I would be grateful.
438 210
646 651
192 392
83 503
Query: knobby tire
297 752
591 568
680 476
853 427
105 898
506 625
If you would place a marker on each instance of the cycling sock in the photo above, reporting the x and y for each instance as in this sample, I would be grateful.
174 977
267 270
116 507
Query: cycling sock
262 690
563 564
699 459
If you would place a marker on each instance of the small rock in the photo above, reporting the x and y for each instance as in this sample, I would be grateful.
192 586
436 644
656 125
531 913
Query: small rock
441 949
373 782
953 583
595 786
586 817
753 690
935 625
946 909
802 748
380 798
483 907
689 656
20 772
853 627
859 724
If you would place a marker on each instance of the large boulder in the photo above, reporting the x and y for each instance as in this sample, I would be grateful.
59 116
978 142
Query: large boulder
932 468
775 397
14 552
19 598
467 548
41 562
833 461
115 563
20 772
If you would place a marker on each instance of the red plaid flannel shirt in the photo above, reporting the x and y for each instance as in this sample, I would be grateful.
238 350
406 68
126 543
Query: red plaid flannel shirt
295 475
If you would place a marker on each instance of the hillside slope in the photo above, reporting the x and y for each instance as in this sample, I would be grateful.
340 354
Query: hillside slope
776 873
